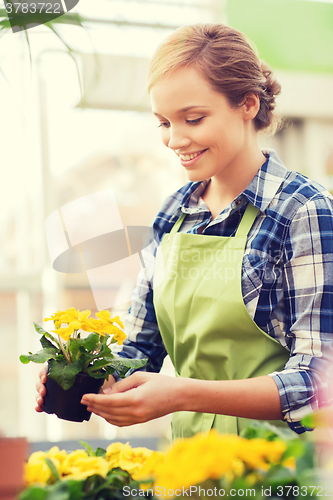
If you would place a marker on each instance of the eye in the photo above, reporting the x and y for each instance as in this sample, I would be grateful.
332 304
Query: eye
164 124
194 122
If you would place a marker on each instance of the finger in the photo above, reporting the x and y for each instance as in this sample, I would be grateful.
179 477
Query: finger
40 388
119 420
105 411
126 384
39 405
112 400
43 375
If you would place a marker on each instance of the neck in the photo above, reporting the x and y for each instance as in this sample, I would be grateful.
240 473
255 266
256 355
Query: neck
223 189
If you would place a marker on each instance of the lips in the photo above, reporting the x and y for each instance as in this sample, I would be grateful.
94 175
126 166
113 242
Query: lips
190 156
189 159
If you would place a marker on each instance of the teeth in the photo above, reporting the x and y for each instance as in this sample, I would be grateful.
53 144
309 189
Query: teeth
190 156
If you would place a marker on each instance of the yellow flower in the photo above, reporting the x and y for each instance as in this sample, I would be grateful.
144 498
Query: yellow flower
104 315
290 463
260 453
106 325
147 471
113 453
69 315
71 459
94 325
119 336
37 470
127 458
117 320
64 333
55 317
132 459
57 456
84 467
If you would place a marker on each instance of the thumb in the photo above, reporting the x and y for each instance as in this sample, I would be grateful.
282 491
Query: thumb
126 384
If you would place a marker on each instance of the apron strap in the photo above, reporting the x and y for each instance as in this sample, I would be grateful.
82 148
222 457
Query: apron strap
244 226
177 225
247 220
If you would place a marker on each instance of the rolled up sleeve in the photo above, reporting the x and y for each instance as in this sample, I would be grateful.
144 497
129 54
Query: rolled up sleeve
305 384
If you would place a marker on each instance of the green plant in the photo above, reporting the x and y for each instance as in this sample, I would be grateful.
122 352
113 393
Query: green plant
73 19
71 353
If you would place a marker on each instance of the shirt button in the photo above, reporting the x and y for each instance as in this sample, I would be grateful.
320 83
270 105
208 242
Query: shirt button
238 202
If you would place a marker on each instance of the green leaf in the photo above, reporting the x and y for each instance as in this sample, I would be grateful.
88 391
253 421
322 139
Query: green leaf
24 359
63 373
88 448
109 370
33 493
53 469
123 365
306 461
279 476
265 430
74 488
60 491
41 330
90 343
309 421
98 365
40 356
100 452
99 374
105 351
295 449
47 344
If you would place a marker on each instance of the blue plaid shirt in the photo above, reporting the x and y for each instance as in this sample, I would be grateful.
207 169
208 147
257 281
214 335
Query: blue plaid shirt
287 277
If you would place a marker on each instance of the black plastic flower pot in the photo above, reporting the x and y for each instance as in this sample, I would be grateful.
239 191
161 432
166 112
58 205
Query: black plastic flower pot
66 404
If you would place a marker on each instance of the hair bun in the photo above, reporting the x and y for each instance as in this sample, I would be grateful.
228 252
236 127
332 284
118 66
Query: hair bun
271 88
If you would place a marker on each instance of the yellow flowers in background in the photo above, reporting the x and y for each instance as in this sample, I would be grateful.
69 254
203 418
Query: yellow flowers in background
79 465
212 456
219 462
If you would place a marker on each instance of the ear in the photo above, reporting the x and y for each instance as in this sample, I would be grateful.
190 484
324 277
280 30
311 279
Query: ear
251 106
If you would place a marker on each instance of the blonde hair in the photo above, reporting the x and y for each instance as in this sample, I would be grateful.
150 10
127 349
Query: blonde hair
228 62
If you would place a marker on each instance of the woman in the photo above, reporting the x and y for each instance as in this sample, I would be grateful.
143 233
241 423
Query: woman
242 297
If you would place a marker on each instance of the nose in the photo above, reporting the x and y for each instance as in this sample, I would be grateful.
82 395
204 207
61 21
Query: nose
177 139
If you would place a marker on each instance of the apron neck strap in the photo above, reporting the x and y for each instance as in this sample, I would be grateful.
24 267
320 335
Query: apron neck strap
247 220
178 223
244 226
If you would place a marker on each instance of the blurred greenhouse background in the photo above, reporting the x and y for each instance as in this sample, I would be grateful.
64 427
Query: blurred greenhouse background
59 144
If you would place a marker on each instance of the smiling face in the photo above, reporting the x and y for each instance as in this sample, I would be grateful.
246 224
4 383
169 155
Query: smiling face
211 138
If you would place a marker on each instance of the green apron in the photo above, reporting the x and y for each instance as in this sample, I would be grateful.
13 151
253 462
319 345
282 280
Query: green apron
205 326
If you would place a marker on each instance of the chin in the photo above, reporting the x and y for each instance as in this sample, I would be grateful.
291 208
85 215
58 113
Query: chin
195 177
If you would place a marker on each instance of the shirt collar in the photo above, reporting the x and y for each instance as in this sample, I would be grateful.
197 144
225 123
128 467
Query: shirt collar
260 191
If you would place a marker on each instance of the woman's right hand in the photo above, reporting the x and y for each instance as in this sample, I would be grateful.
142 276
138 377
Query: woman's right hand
41 389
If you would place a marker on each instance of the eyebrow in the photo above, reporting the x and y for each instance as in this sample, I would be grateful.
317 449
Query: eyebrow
183 110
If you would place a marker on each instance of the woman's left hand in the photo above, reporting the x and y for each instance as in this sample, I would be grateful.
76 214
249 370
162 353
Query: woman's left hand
136 399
